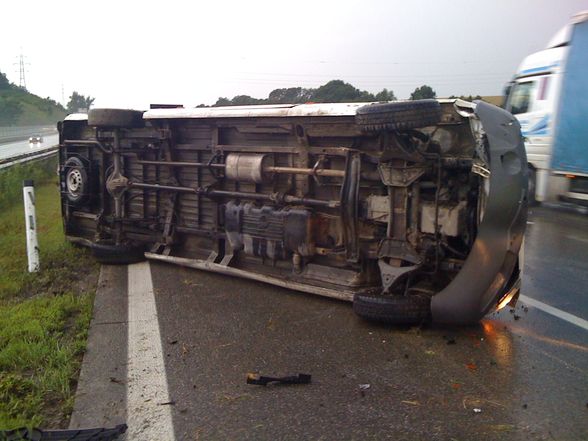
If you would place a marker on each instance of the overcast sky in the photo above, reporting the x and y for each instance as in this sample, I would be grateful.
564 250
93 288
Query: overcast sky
130 54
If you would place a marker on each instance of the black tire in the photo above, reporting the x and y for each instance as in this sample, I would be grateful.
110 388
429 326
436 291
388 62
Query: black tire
533 187
76 185
400 115
393 309
115 118
123 254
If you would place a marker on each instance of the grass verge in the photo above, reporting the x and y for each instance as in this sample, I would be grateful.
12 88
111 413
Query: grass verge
44 317
42 172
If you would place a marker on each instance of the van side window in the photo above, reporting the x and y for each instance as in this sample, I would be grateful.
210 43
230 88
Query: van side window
520 97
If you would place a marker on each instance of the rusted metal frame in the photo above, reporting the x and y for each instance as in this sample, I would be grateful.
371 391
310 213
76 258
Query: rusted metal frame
391 215
86 142
400 211
144 193
200 232
116 173
168 228
313 150
415 201
199 181
301 160
157 194
179 164
315 171
220 245
102 193
84 215
349 205
437 235
276 198
305 171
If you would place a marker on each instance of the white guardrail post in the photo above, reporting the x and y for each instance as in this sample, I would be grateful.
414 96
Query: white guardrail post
28 192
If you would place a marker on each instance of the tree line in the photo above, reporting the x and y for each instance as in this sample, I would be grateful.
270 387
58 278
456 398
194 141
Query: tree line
16 100
334 91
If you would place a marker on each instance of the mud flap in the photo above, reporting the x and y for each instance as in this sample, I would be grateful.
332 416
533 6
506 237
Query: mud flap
480 284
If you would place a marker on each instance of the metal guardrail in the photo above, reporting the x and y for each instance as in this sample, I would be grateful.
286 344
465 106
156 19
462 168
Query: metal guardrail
26 157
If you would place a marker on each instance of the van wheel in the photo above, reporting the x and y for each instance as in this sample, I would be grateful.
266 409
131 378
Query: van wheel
108 253
115 118
76 181
533 187
393 309
400 115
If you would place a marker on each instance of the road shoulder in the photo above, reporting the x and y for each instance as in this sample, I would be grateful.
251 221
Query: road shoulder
100 399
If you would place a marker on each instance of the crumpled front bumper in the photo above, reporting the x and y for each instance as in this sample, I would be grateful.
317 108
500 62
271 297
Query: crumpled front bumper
488 272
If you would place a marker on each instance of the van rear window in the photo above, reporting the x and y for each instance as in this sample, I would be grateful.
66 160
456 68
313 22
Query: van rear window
520 97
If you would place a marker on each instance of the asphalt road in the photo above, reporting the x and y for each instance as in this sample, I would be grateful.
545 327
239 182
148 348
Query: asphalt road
519 375
16 148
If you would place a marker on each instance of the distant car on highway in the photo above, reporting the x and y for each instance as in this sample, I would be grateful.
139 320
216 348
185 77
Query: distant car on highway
35 139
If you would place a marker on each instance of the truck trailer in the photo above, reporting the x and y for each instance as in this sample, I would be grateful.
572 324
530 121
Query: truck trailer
549 97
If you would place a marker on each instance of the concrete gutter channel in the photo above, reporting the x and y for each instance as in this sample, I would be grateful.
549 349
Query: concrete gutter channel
101 395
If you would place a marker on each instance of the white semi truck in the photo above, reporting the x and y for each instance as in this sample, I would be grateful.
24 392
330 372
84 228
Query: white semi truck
549 97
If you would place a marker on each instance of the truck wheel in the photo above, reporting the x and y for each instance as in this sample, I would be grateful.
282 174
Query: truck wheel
115 118
76 181
533 187
400 115
393 309
108 253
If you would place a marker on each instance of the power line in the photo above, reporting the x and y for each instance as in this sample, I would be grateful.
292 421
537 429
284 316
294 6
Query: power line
22 82
385 76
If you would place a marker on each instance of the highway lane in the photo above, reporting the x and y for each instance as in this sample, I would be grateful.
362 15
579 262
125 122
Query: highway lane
16 148
520 374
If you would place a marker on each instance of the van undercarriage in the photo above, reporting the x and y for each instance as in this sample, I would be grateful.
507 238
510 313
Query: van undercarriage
415 211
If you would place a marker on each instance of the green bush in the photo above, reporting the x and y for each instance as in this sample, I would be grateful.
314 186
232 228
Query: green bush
42 172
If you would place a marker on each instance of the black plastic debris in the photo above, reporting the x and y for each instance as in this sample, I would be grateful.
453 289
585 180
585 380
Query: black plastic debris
264 380
450 339
100 434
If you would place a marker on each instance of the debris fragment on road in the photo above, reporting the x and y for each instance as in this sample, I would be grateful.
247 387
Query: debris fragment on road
412 403
167 403
34 434
261 380
450 339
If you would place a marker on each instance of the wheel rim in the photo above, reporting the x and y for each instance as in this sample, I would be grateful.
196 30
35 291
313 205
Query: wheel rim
75 181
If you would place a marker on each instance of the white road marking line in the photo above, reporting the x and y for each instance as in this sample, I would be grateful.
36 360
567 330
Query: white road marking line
576 238
570 318
146 379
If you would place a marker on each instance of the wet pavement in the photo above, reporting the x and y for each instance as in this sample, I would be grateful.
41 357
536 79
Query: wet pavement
16 148
518 375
